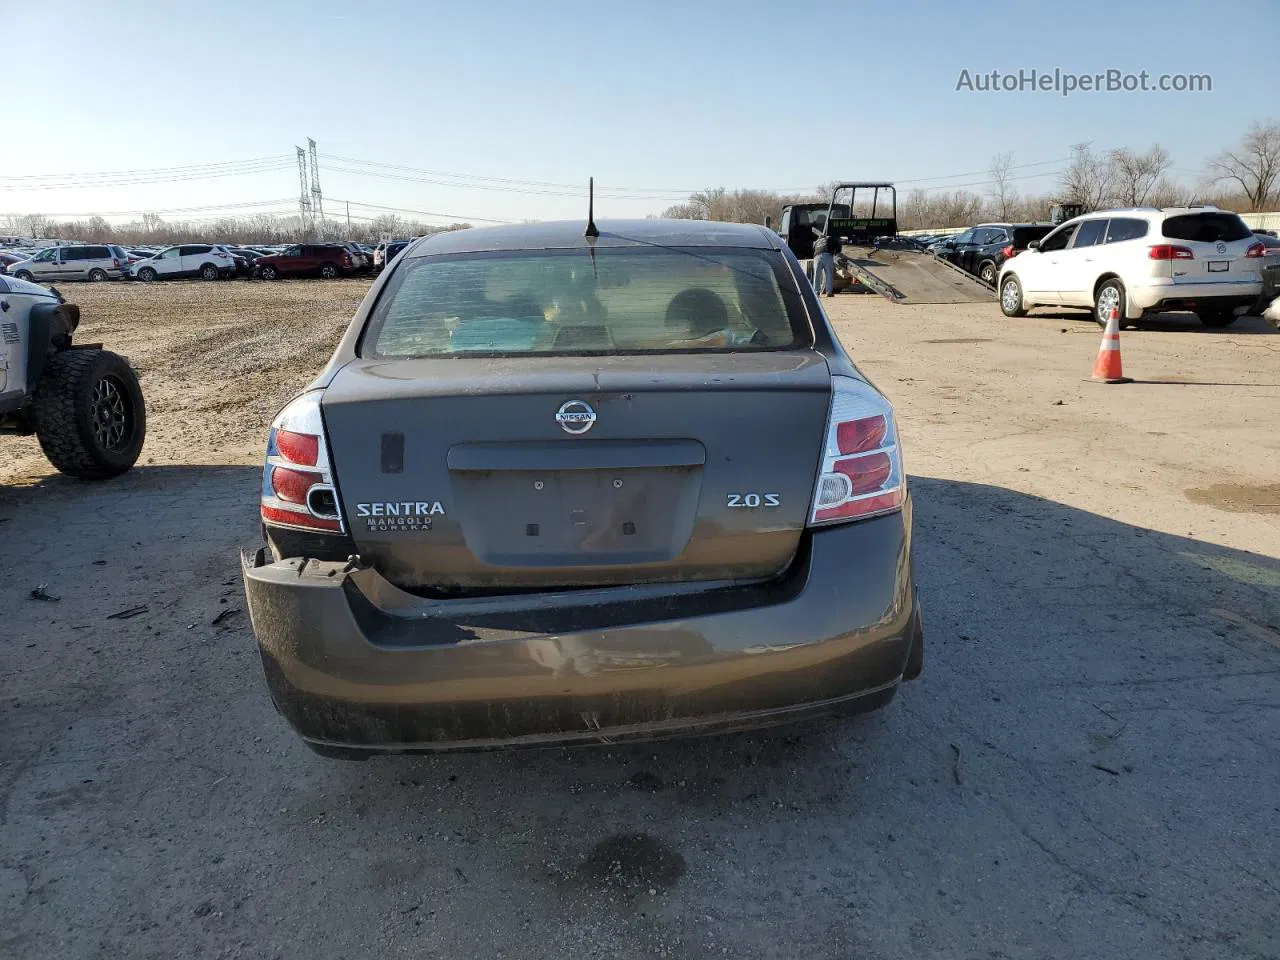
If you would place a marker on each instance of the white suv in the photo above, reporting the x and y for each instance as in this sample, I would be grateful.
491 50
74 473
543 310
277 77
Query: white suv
208 261
1140 261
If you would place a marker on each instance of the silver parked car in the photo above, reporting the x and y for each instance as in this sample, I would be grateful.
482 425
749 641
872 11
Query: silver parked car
79 262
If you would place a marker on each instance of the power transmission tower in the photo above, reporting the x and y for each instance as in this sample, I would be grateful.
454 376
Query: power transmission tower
317 198
304 197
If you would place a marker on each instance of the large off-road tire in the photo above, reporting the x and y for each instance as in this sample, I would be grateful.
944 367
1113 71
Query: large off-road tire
89 414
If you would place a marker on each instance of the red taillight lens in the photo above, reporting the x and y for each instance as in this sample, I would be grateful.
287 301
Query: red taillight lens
866 474
297 483
288 518
1256 250
1007 252
859 436
1167 251
115 264
293 485
861 474
299 448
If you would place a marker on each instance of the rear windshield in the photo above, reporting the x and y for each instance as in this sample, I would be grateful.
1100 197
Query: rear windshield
1206 227
806 217
1024 235
625 300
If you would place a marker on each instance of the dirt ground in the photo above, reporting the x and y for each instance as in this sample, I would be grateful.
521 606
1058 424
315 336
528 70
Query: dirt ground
1087 768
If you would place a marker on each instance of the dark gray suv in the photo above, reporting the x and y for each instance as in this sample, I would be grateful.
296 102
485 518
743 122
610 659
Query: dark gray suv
556 488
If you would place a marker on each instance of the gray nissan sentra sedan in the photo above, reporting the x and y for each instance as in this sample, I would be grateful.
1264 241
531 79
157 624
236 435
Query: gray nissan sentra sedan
559 488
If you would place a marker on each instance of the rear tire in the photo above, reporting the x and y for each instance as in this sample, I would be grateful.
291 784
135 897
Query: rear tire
1011 304
147 275
89 414
25 275
987 273
1216 318
97 275
268 272
1109 295
208 272
329 272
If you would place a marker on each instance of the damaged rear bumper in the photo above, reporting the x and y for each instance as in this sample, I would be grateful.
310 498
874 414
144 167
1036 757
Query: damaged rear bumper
353 661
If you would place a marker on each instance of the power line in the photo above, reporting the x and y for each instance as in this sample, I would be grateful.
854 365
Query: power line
142 181
977 173
505 180
983 183
125 213
451 217
528 191
188 168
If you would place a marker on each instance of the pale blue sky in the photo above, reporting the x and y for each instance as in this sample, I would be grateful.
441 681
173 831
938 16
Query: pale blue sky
658 95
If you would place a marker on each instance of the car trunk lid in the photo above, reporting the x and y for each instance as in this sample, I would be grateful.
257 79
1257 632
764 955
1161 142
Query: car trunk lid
1218 241
510 473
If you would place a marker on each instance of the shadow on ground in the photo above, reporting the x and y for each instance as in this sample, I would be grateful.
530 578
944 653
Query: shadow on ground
1162 322
1086 768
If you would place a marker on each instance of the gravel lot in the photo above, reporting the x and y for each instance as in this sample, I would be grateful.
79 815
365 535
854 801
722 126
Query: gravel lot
1088 767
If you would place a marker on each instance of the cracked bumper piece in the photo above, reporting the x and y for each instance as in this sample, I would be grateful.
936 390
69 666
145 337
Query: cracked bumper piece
353 661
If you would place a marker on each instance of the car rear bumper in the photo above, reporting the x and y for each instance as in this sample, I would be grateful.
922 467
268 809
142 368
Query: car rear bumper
353 661
1213 293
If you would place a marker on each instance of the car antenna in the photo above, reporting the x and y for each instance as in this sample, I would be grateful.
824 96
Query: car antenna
592 230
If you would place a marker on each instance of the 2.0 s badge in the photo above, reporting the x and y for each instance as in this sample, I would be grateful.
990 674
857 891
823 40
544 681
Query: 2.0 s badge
751 501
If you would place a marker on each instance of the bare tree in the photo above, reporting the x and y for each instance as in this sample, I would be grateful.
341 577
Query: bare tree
1134 175
1003 194
1088 179
1167 193
1254 165
35 225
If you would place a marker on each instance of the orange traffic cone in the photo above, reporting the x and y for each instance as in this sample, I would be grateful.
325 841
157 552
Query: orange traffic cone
1107 368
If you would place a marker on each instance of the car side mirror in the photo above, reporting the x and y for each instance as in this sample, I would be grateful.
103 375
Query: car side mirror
1033 245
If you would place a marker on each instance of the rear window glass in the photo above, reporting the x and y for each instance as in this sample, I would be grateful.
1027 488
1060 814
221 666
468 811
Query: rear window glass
807 217
1024 235
1206 227
563 302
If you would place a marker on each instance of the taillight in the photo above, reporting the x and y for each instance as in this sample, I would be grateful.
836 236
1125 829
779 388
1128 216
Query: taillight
862 473
346 259
1166 251
297 482
1256 250
115 264
1007 252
